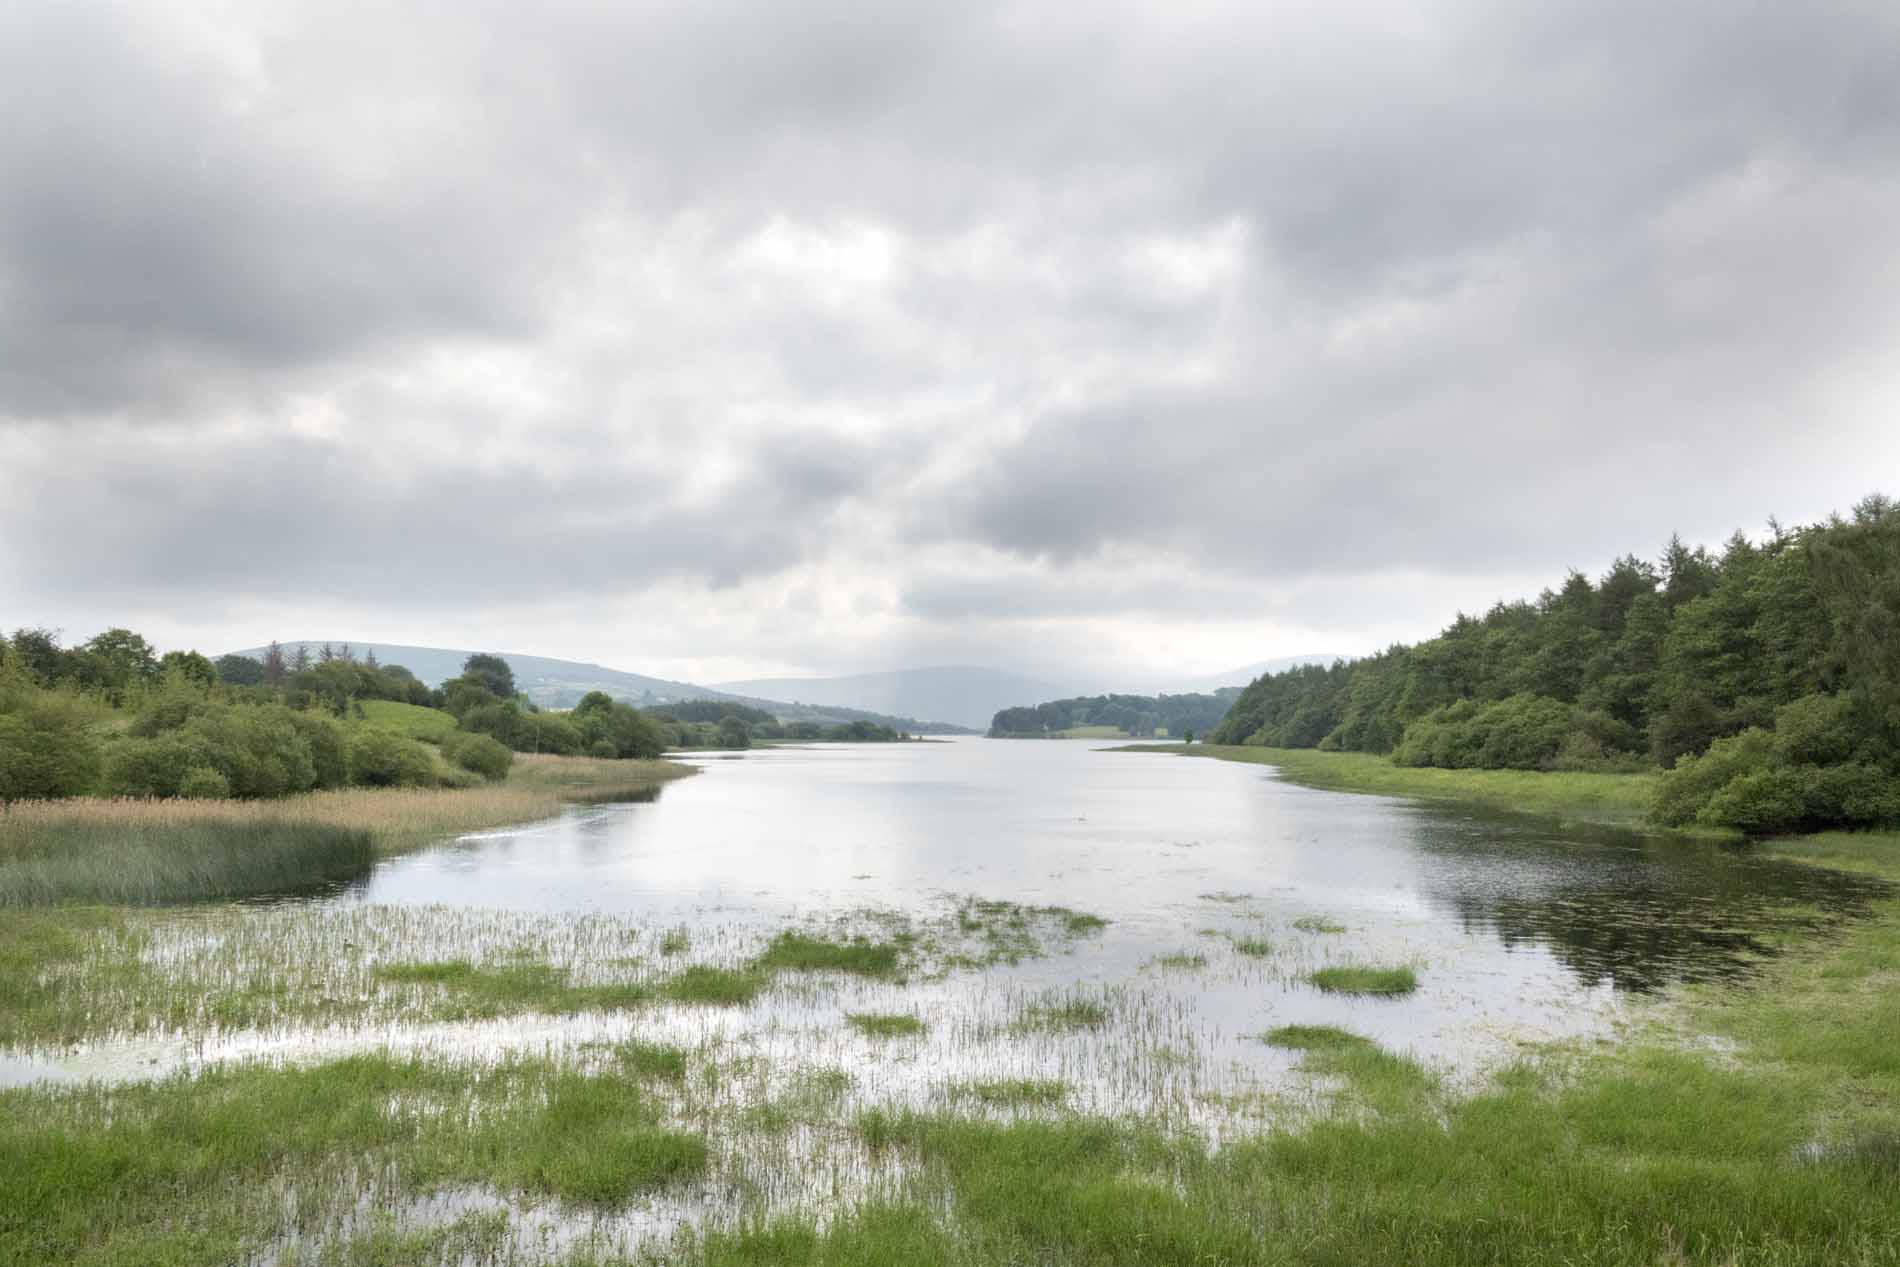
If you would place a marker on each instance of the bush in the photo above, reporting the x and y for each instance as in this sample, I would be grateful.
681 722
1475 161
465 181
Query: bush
47 749
1686 790
203 783
603 748
479 753
1521 732
379 758
544 732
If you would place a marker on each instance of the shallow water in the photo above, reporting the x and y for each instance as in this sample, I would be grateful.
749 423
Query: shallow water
1519 932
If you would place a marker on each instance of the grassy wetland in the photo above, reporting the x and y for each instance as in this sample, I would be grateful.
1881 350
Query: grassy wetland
673 1031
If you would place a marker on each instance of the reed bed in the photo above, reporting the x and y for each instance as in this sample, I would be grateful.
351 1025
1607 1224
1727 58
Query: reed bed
396 819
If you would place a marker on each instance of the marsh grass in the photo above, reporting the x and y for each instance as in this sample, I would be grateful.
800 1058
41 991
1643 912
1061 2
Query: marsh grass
1065 1012
396 819
1179 961
193 1168
1364 979
886 1024
1318 924
171 861
659 1061
504 989
801 952
715 986
1015 1093
1253 947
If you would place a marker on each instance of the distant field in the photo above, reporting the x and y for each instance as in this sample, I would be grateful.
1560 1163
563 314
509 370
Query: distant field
429 724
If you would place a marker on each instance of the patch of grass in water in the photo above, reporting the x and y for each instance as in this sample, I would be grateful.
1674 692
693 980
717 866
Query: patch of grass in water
885 1024
658 1061
1253 947
1313 1038
1317 924
800 952
489 990
1360 979
677 941
1016 1093
1066 1013
194 1168
1179 961
719 987
811 1098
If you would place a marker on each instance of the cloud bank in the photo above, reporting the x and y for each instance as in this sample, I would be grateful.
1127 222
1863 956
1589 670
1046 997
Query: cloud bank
721 340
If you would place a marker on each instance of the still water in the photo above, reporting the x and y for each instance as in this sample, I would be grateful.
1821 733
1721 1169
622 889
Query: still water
1518 930
1223 890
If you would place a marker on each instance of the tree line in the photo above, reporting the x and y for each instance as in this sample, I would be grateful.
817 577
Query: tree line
1764 678
1138 715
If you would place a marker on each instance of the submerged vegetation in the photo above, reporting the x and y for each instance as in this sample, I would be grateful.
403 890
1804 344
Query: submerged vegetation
1762 681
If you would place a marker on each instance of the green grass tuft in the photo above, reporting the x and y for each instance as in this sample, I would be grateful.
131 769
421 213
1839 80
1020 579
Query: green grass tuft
1254 947
1358 979
799 952
1017 1093
1317 924
719 987
489 990
885 1024
658 1061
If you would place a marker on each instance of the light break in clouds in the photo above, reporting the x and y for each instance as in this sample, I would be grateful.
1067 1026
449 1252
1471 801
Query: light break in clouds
719 340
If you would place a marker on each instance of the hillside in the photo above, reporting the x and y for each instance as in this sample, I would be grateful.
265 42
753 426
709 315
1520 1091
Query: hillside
553 683
961 694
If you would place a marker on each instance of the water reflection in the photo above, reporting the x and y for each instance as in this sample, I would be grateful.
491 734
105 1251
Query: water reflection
1616 907
1137 838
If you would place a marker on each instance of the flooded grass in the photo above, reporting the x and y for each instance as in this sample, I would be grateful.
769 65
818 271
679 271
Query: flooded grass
1179 961
1360 979
1064 1013
510 988
717 987
1253 947
652 1060
886 1024
1016 1093
1318 924
800 952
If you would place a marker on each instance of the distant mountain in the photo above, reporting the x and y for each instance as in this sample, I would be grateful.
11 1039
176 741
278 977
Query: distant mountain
959 694
561 683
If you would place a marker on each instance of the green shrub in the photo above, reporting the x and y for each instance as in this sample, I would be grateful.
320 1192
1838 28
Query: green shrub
1521 732
603 748
329 751
479 753
1686 790
544 732
47 749
203 783
382 759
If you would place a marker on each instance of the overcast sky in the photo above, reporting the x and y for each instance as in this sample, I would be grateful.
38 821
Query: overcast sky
717 340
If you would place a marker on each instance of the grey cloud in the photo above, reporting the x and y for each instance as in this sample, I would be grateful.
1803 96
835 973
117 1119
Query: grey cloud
1510 287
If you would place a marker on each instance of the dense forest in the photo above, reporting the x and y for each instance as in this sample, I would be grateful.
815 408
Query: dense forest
1136 715
1764 678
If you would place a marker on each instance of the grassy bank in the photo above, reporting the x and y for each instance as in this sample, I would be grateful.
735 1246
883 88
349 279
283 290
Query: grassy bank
89 850
1620 800
395 818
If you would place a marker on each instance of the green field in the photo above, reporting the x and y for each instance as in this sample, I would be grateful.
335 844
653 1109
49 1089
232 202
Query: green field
431 725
